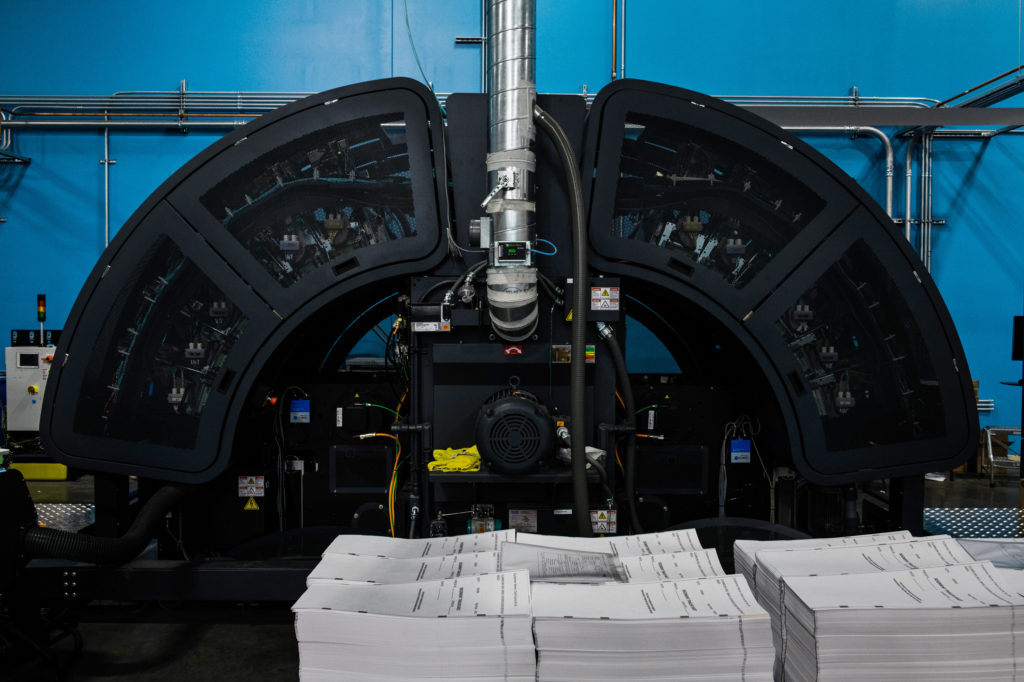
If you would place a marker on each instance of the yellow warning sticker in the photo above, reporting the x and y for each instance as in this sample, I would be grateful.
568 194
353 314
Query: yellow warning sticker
568 318
251 505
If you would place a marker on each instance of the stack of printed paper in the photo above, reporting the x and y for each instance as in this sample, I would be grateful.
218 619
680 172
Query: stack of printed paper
705 628
354 568
745 551
775 565
465 628
403 548
551 564
665 542
947 623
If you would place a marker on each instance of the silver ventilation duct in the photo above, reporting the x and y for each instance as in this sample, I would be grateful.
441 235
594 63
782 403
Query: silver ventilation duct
511 275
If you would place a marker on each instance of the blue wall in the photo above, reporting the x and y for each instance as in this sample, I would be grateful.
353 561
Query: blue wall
928 48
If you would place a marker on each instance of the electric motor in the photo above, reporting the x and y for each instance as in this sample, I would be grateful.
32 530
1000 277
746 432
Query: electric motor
514 432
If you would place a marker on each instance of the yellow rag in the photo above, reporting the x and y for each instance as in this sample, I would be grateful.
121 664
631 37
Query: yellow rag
456 459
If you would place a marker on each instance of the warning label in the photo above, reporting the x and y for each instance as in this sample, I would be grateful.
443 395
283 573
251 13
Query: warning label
251 505
523 520
251 486
604 298
604 520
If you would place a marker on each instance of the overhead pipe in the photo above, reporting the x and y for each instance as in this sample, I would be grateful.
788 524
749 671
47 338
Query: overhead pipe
862 130
123 125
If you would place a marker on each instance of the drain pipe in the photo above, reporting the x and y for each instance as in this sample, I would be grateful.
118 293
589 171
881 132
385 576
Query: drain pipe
862 130
510 205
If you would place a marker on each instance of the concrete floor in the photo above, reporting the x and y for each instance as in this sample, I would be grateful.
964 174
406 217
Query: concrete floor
159 652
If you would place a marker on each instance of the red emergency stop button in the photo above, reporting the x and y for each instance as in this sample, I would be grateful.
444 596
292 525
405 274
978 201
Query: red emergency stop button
33 389
48 359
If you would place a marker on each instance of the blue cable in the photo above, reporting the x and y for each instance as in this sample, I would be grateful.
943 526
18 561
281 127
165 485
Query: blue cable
546 253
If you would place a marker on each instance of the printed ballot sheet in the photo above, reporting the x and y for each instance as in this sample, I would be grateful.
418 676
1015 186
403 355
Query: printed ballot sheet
619 545
354 568
404 548
495 594
745 551
550 564
698 598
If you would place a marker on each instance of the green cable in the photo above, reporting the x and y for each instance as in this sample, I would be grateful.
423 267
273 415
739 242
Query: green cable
394 412
642 409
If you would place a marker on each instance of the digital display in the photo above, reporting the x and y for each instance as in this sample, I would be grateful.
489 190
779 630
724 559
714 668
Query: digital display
512 251
28 359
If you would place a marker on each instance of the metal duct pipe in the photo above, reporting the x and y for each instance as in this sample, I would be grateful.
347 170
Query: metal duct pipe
511 163
863 130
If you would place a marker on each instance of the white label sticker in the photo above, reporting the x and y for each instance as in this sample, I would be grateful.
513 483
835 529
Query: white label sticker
650 420
604 298
251 486
604 520
523 520
341 417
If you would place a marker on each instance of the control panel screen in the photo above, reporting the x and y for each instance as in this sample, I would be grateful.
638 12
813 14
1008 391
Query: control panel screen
28 359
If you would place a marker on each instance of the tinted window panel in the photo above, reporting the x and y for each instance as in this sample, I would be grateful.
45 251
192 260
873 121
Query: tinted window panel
705 198
316 200
863 357
155 364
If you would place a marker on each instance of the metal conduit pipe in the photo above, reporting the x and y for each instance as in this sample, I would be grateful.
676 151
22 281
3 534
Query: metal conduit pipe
622 52
926 199
862 130
106 187
130 125
908 164
511 163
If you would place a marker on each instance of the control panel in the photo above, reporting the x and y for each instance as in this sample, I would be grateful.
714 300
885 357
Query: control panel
28 368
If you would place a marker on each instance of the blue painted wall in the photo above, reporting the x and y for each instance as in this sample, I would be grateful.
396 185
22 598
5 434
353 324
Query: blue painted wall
927 48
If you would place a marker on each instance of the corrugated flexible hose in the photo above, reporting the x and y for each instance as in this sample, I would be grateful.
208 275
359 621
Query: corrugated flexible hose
61 544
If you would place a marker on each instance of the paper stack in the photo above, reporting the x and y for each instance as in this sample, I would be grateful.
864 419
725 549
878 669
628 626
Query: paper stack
403 548
745 551
665 542
465 628
673 630
948 623
551 564
775 565
352 568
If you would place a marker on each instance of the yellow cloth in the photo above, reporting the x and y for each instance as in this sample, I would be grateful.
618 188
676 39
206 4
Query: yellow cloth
456 459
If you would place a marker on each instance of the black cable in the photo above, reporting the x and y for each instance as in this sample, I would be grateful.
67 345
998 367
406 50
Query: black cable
435 287
615 350
472 270
581 293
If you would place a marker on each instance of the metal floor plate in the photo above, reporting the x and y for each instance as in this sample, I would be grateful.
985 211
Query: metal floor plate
66 516
975 522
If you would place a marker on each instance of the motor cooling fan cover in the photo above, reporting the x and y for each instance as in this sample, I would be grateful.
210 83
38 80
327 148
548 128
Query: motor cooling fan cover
514 433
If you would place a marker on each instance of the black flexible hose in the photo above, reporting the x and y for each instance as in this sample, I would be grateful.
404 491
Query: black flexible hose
580 301
61 544
630 422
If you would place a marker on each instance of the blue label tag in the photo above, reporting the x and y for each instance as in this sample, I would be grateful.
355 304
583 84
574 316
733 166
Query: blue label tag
298 412
739 452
